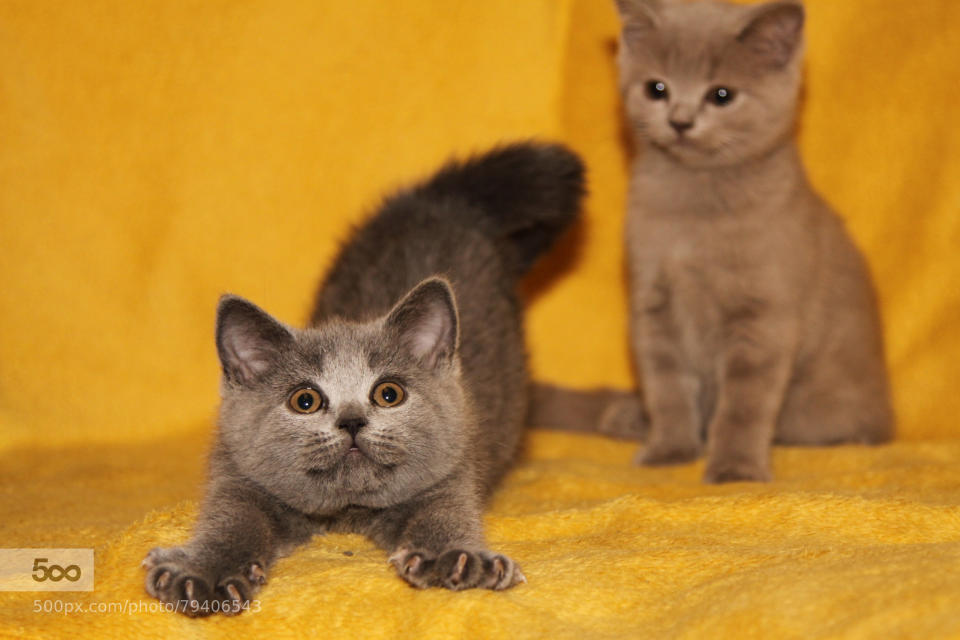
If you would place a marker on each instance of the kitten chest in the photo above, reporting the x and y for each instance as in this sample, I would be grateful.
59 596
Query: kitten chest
695 271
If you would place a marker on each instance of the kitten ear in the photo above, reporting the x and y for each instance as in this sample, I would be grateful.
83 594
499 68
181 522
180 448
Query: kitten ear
639 18
426 322
773 32
249 340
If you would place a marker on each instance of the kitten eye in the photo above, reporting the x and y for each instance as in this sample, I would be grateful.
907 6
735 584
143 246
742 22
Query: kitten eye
305 400
720 96
387 394
657 90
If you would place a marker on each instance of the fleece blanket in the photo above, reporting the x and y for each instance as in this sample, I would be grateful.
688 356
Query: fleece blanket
156 154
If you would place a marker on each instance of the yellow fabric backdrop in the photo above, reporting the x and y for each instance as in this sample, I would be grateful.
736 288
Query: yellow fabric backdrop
155 154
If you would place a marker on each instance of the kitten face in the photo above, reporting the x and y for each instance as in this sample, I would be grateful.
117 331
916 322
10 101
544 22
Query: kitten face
344 413
711 84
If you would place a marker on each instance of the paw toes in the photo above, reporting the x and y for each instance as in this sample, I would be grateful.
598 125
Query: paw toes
233 595
502 573
177 581
413 563
256 574
188 593
459 570
236 588
498 569
162 580
188 588
414 567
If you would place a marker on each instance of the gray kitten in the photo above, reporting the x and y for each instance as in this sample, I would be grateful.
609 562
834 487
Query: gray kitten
400 407
752 313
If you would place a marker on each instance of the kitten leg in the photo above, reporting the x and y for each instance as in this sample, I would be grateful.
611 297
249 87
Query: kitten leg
752 379
224 565
441 545
669 391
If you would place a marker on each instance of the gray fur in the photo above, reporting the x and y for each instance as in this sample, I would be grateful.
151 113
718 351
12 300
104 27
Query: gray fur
616 413
422 295
753 314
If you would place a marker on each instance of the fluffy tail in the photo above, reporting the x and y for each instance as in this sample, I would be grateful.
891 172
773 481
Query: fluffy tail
528 192
609 412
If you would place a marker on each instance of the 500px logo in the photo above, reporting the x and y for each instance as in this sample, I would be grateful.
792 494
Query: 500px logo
46 569
55 572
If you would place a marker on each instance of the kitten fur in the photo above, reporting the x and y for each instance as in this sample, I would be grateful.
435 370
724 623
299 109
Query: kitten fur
615 413
753 317
422 296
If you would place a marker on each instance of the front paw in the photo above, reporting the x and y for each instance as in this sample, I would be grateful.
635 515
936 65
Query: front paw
176 578
457 569
736 470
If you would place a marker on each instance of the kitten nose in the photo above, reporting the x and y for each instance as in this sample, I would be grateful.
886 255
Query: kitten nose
352 425
681 125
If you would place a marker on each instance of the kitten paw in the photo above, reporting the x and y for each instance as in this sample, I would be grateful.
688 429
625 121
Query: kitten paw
624 419
659 455
736 471
176 579
457 569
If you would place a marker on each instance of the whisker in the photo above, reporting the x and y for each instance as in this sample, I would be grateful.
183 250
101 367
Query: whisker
390 445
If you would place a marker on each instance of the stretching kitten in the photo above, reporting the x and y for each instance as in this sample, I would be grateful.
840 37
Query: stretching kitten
396 412
753 315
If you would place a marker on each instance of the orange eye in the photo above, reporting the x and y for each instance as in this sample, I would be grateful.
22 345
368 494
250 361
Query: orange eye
305 400
387 394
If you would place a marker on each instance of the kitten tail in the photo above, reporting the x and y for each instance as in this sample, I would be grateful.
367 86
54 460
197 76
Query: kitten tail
528 194
611 412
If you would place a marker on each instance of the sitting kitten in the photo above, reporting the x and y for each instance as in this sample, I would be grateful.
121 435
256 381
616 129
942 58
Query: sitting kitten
397 411
753 315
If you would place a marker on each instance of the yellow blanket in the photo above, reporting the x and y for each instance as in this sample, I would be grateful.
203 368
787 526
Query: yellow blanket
154 154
